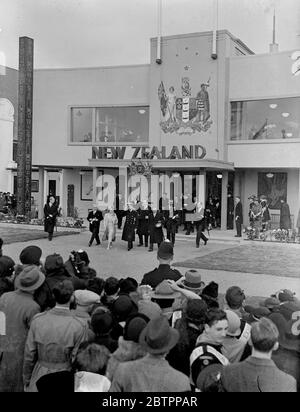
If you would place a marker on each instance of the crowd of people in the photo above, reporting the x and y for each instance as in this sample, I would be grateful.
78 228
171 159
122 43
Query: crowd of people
66 327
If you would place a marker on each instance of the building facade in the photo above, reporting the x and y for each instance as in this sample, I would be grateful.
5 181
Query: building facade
213 126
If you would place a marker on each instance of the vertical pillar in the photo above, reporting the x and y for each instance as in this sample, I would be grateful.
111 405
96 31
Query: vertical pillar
41 192
45 194
201 186
25 125
224 200
61 188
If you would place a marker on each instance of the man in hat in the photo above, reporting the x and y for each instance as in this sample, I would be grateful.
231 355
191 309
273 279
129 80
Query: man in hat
54 338
94 217
102 324
210 295
152 373
84 300
6 273
156 223
165 256
238 216
258 373
207 357
19 309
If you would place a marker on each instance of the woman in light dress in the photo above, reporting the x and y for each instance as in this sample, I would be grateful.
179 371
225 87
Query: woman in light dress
110 226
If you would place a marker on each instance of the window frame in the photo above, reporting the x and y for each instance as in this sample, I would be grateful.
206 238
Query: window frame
103 144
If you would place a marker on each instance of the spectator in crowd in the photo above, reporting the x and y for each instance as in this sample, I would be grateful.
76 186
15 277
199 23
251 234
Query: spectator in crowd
111 291
31 255
102 324
190 325
152 373
121 309
129 348
207 359
210 295
165 256
6 274
84 301
19 309
87 374
259 373
234 300
55 270
192 281
54 338
234 345
165 296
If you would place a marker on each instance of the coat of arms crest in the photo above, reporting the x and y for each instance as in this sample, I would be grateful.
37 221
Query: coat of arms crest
185 114
140 168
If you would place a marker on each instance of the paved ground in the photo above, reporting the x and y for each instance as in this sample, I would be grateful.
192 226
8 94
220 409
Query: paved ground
119 262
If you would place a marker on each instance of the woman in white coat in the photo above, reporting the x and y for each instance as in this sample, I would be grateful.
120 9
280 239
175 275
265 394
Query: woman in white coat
110 227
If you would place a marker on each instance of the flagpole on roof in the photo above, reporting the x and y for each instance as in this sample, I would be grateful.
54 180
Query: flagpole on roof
159 24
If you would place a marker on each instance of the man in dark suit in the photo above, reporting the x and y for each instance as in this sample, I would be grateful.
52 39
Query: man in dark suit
238 216
156 223
95 217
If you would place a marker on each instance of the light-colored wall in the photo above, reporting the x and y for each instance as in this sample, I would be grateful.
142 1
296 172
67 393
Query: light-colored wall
190 56
284 153
56 90
262 76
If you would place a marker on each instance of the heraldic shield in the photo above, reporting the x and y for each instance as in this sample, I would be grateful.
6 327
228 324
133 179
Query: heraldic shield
185 114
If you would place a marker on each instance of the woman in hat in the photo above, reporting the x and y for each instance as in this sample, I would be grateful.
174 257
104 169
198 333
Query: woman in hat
110 226
50 214
266 218
256 216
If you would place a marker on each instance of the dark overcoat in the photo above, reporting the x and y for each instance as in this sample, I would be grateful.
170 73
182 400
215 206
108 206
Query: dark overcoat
95 224
50 221
285 217
173 222
143 221
155 231
239 212
129 227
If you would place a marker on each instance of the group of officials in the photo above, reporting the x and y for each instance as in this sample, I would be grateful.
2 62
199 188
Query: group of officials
148 223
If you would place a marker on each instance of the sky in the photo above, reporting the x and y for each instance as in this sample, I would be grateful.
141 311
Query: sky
89 33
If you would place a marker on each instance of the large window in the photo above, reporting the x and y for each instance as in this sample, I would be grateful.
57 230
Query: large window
265 119
110 125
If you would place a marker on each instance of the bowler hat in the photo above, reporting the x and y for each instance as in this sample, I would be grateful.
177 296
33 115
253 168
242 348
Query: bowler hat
158 337
192 281
30 279
165 250
31 255
164 291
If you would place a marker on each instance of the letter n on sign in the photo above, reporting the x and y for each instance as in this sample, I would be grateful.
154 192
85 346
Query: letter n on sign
2 324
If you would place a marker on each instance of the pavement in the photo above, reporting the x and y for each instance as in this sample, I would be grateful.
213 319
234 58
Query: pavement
121 263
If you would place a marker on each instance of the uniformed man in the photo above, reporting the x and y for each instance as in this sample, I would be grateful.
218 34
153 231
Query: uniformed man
164 271
130 225
156 223
143 215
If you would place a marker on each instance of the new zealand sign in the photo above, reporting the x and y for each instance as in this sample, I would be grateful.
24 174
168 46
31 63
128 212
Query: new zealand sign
184 114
